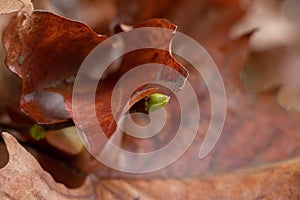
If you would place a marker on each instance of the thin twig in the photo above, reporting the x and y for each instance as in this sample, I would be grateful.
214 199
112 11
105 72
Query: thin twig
26 127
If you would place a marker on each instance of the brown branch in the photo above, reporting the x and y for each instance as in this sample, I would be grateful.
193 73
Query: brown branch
26 127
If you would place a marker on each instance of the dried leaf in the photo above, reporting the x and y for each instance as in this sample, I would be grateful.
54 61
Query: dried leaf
131 12
23 178
10 86
274 27
9 6
67 50
273 61
57 44
269 182
255 123
211 22
96 14
66 140
211 29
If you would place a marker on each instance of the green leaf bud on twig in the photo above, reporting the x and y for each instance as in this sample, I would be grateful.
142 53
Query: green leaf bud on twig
156 101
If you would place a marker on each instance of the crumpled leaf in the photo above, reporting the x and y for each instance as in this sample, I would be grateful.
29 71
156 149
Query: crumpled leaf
77 35
48 65
220 159
255 123
9 6
23 178
211 29
60 52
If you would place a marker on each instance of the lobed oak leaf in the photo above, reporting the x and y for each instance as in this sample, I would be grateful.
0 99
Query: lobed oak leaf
273 61
46 51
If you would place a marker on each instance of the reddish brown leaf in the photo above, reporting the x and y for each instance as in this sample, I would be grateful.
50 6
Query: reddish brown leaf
129 61
208 22
132 12
48 64
257 130
46 50
211 28
96 14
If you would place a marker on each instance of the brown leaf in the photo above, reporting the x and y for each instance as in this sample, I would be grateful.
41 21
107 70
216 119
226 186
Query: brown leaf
131 12
66 140
129 61
274 69
96 14
213 22
208 22
9 6
46 50
273 60
269 182
23 178
10 86
257 131
48 65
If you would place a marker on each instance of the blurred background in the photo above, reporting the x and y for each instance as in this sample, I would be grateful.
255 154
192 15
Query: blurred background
256 46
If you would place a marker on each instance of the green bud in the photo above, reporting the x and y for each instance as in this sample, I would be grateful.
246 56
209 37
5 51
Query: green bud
156 101
37 132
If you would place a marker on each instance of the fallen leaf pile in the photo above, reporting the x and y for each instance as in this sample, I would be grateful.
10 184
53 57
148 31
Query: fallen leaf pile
256 155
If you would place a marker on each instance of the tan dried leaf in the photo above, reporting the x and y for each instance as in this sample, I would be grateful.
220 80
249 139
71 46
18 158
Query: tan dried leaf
24 178
66 140
9 6
280 181
273 61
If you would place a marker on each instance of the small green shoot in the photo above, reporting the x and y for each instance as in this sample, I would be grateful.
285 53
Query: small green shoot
37 132
156 101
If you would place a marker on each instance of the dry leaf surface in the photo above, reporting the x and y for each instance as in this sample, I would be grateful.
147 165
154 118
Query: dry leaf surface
30 181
